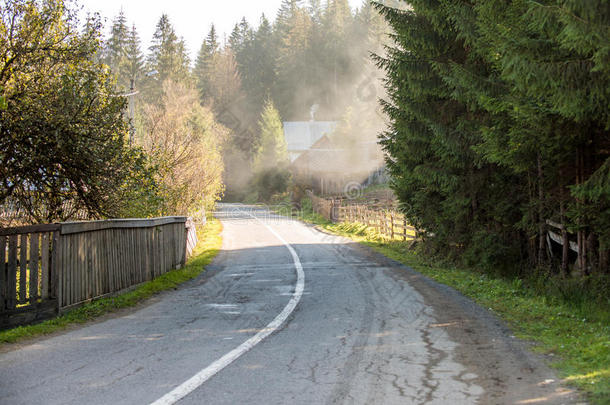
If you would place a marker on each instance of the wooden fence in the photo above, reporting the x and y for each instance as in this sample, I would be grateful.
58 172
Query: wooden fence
46 269
390 224
328 208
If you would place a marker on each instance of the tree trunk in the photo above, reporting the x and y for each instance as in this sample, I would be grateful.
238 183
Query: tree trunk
581 234
592 245
531 240
604 264
565 248
541 220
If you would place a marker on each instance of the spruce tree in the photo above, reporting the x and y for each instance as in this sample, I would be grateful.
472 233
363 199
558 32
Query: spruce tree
132 65
115 46
499 124
168 53
552 60
271 152
212 40
261 75
294 67
204 65
271 175
444 187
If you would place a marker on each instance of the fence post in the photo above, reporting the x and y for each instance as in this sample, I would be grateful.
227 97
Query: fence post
56 270
3 277
404 229
392 225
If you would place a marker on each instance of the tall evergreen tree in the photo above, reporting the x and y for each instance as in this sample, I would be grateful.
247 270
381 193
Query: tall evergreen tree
271 159
551 59
315 11
242 34
168 54
261 75
285 14
294 74
499 125
443 185
132 65
212 40
271 152
204 64
337 24
115 46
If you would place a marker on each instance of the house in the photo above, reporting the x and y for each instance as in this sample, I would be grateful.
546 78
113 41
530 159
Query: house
301 135
330 168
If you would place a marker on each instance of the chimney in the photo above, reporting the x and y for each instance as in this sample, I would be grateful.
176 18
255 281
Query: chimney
312 111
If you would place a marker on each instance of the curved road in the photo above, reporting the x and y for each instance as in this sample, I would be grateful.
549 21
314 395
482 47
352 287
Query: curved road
286 314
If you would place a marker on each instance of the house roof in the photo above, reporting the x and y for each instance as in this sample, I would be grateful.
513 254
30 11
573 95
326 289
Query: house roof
301 135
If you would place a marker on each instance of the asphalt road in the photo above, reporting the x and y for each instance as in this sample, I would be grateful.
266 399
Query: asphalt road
286 314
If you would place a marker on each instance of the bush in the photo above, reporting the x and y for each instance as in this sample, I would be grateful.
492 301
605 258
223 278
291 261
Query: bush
269 182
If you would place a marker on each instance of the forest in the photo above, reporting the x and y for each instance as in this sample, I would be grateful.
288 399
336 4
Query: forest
500 127
195 130
258 76
498 117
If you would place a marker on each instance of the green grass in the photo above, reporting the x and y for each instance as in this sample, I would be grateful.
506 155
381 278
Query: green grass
207 248
577 335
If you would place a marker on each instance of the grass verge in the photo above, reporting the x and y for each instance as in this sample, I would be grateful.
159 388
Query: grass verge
576 336
207 248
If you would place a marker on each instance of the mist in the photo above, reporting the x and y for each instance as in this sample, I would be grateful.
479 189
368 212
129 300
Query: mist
314 64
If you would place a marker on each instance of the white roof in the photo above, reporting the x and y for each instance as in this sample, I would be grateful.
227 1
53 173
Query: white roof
301 135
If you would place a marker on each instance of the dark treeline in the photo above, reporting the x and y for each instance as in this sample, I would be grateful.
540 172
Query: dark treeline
500 123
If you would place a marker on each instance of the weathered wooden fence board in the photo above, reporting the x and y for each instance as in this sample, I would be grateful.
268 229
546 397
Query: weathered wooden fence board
44 266
2 271
12 272
23 268
34 270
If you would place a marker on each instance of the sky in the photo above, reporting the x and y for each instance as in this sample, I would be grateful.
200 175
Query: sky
191 19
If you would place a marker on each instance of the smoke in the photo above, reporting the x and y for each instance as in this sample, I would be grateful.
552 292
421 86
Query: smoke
352 155
342 87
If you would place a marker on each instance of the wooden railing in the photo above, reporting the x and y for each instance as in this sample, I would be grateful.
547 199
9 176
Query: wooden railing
328 208
388 223
46 269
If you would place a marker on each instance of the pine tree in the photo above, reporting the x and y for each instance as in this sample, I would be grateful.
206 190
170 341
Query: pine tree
499 123
204 65
271 152
294 67
132 65
271 159
115 46
168 54
443 185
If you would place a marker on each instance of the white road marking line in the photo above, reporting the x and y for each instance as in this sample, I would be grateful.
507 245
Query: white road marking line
222 305
202 376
